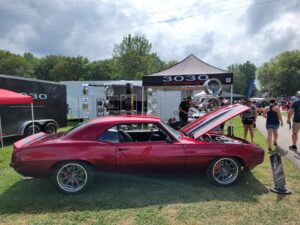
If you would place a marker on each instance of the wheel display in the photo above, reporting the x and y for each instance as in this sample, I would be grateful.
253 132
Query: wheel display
224 171
72 177
29 130
50 128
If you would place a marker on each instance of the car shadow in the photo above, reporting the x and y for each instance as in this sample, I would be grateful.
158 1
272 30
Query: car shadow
126 191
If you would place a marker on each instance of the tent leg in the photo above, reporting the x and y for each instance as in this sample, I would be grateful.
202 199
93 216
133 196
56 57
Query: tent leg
143 98
231 101
1 134
231 94
32 116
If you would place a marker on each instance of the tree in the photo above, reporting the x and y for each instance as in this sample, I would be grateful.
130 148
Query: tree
281 75
243 74
46 64
134 58
70 68
12 64
170 64
102 70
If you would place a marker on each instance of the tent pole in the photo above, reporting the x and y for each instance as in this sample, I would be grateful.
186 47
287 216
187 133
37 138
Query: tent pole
231 101
32 116
1 133
143 90
231 94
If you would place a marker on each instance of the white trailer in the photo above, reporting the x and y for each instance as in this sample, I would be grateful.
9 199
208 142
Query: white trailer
96 97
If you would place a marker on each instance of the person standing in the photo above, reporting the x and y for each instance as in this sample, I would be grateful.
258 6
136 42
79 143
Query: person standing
184 108
274 119
248 119
295 109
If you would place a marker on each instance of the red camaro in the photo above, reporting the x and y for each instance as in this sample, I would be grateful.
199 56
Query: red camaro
136 143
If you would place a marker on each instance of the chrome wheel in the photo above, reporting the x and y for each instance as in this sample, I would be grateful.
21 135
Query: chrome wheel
72 177
225 171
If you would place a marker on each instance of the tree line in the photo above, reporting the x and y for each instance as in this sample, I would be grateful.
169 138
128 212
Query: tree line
133 58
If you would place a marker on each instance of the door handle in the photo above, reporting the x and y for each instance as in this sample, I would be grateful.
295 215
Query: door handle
122 149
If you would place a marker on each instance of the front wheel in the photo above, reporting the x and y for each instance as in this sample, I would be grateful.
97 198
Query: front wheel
224 171
72 177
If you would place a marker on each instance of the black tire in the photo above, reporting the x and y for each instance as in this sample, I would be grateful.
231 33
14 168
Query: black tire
29 130
65 176
50 128
224 171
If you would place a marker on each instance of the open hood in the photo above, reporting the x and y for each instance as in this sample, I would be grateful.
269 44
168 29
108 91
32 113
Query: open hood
211 120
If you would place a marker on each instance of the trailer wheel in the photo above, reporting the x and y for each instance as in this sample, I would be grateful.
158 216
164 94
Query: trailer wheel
50 128
29 130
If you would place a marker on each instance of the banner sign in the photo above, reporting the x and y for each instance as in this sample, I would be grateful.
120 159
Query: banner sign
277 169
185 80
250 89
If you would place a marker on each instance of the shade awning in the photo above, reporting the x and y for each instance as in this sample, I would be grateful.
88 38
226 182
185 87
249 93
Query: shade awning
189 72
10 97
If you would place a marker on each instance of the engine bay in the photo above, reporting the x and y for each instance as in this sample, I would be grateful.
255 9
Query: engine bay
219 138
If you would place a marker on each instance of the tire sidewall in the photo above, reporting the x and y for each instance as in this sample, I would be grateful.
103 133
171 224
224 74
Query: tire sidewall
88 169
28 130
50 125
209 171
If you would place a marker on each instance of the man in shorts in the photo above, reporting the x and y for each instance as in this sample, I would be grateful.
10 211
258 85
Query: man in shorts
295 109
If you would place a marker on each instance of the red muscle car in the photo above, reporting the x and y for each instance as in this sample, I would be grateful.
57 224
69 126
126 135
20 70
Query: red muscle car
136 143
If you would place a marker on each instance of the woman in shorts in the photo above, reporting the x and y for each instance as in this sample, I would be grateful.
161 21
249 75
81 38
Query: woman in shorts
274 119
248 119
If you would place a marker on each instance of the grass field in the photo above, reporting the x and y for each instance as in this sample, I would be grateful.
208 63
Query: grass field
152 199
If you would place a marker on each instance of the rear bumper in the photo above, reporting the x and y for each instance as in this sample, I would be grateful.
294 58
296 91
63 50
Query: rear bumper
19 169
24 171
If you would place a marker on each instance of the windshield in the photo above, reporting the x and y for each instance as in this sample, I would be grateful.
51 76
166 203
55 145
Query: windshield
172 131
74 128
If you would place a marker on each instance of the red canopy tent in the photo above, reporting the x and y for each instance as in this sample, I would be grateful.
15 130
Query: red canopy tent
10 97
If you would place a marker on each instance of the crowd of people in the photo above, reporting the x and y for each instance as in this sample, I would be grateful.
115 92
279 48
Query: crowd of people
271 111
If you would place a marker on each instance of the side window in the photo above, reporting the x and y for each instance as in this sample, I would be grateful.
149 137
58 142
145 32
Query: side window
141 132
111 135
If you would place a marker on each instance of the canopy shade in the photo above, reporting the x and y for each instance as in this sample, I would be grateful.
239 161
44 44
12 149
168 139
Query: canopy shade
10 97
189 72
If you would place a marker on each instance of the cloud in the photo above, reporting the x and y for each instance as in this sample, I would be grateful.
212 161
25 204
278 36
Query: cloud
218 32
261 13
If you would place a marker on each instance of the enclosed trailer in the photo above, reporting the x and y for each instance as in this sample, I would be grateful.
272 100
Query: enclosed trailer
97 102
49 106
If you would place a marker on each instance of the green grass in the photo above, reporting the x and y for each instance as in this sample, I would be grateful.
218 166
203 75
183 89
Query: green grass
152 199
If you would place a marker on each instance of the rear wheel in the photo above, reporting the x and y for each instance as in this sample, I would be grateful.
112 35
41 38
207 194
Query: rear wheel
224 171
50 128
72 177
29 130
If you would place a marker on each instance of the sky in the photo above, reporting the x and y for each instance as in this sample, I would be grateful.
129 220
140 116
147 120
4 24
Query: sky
220 32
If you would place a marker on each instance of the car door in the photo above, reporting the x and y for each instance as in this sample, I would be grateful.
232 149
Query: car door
103 151
145 149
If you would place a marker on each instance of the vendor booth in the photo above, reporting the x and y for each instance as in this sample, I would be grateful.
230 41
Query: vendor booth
9 97
187 77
